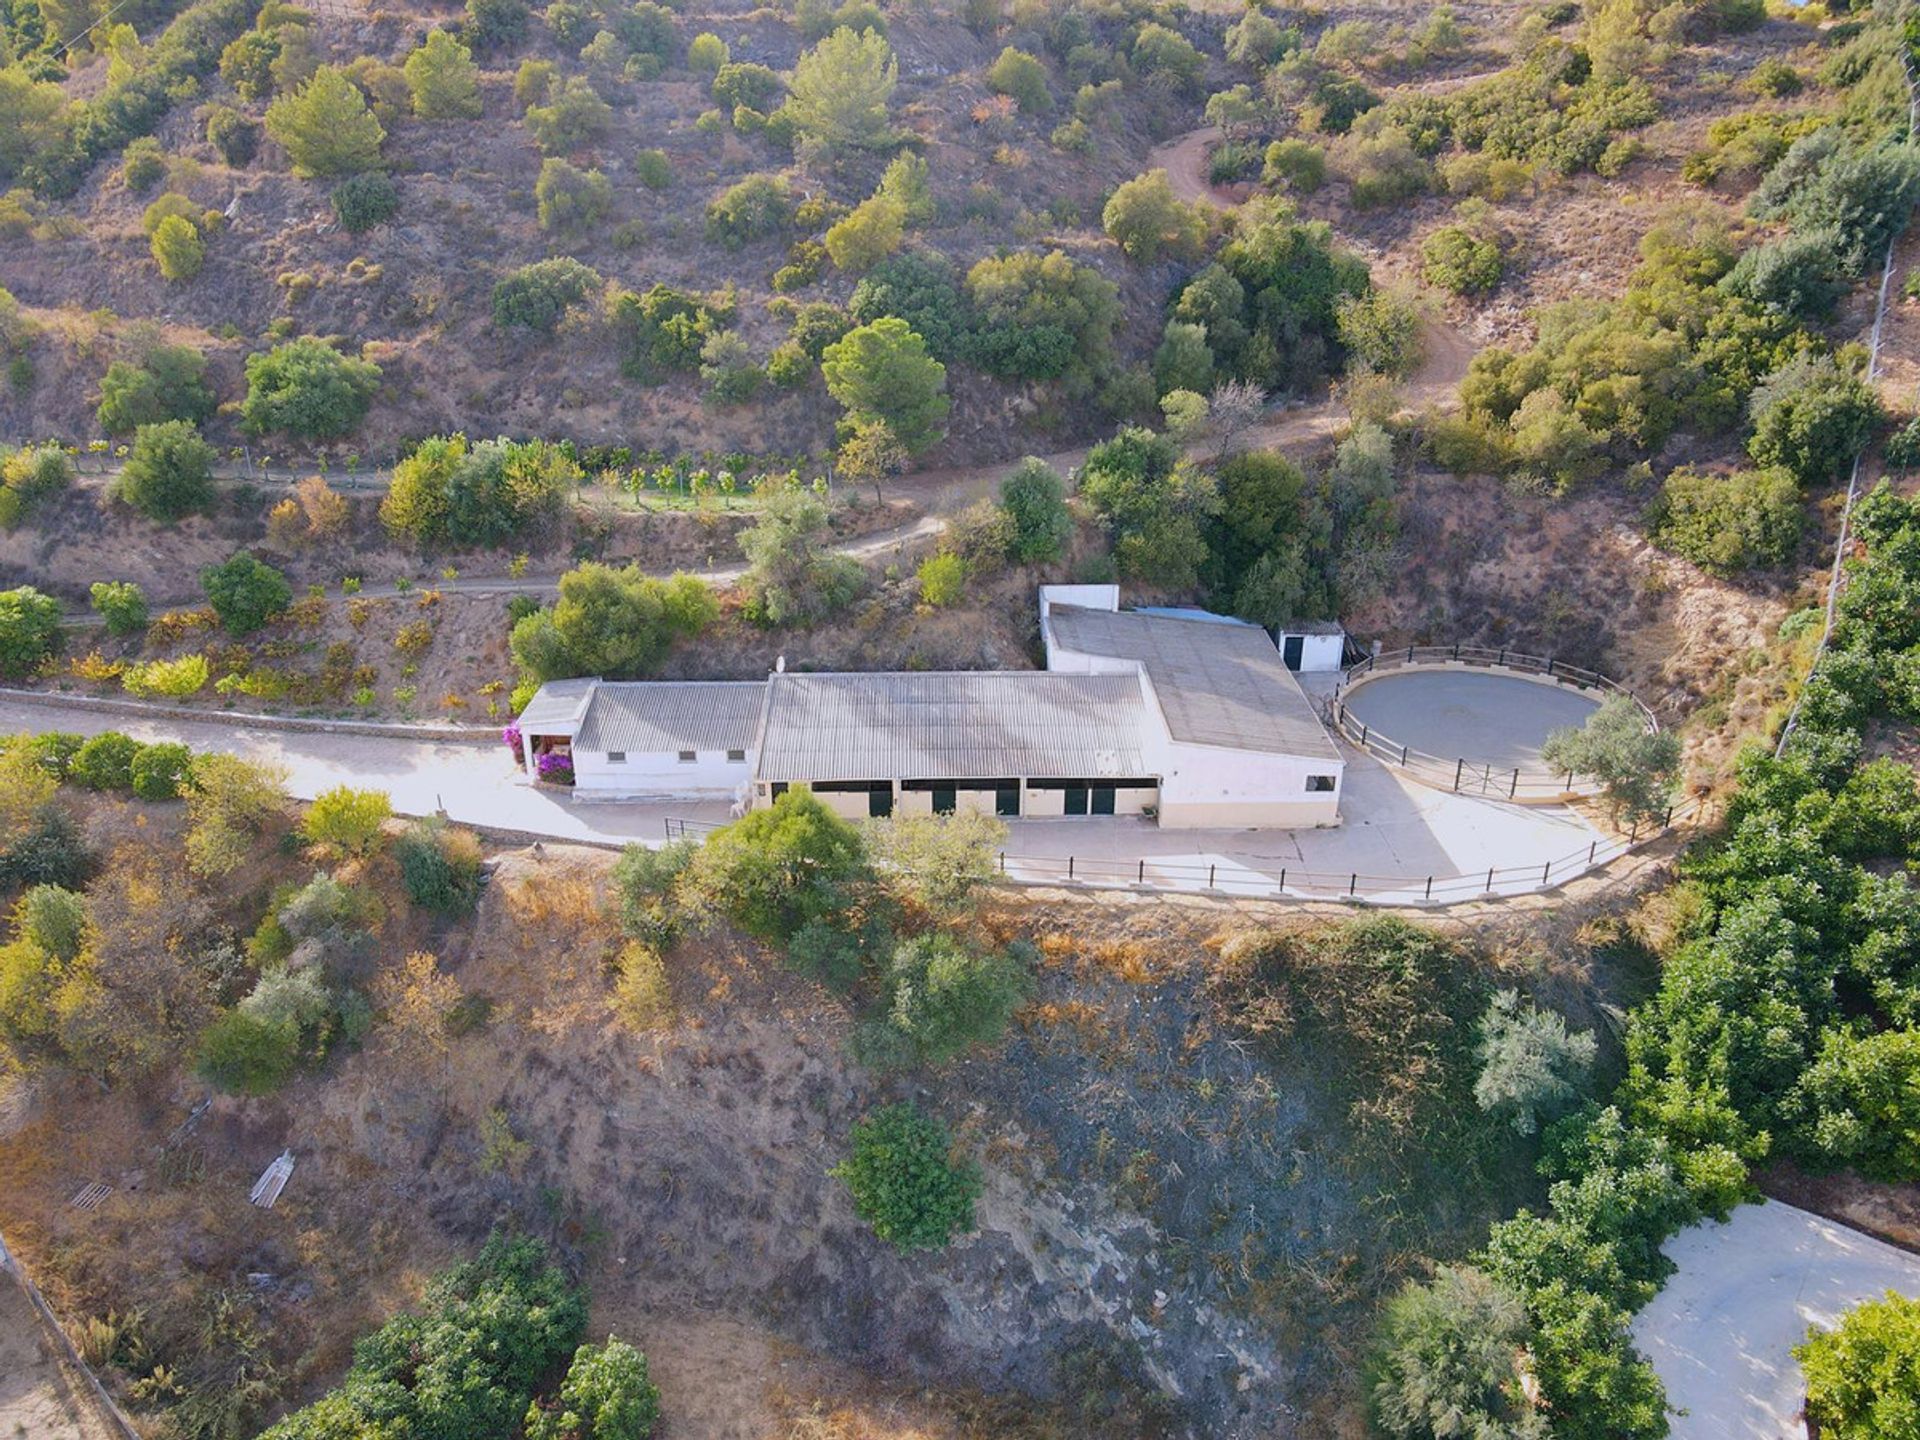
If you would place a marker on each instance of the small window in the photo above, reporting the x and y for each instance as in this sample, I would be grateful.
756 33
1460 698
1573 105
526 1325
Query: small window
737 757
616 757
687 757
1321 784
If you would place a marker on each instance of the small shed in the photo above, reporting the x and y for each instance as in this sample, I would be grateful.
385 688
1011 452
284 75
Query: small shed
1312 645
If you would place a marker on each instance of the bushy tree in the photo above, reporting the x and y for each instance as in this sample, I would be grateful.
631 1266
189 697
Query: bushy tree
616 623
247 1054
167 383
573 117
245 592
919 287
1035 499
606 1394
230 804
756 208
489 1331
450 492
1636 767
1022 76
121 604
307 389
168 473
161 771
1858 1104
943 998
29 476
1168 57
841 90
1154 505
443 79
1041 317
569 199
326 128
1531 1065
361 202
234 135
346 821
792 578
1147 221
869 233
1295 164
904 1181
537 296
1812 417
1863 1376
439 866
883 372
780 868
1726 523
1461 261
1447 1362
105 762
177 248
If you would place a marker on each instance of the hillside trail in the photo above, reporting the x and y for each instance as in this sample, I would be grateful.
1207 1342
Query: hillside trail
942 493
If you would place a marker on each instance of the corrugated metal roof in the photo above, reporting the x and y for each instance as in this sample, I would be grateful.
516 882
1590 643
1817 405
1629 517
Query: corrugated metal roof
652 717
974 725
555 707
1216 684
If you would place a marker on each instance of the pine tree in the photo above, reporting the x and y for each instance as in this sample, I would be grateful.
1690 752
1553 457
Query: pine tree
325 127
442 75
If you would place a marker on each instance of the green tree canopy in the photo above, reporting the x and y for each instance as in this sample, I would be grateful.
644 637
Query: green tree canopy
614 623
841 89
1863 1376
325 126
169 471
307 389
904 1180
443 78
245 592
882 371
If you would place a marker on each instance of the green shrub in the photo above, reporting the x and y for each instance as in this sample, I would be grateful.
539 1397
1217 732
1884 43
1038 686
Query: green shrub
942 578
245 593
1035 499
904 1181
439 866
572 118
611 622
234 135
29 630
105 762
177 248
1447 1361
168 383
360 202
1861 1374
345 820
569 199
606 1394
780 868
1812 417
1295 164
31 475
707 52
144 165
160 771
1531 1066
652 170
943 999
451 492
1727 523
308 390
756 208
537 296
1635 766
1460 261
169 679
917 286
244 1054
1022 76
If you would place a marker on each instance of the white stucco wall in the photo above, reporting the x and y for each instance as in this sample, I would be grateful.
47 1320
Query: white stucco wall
710 774
1317 652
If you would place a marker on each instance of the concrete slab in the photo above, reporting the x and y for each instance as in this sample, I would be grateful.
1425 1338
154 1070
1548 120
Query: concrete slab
1396 832
1722 1332
1497 720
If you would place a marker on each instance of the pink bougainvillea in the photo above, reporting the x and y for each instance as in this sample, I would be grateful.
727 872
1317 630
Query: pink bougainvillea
555 769
510 737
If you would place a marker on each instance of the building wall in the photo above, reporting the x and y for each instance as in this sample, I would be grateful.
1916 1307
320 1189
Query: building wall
1318 652
711 774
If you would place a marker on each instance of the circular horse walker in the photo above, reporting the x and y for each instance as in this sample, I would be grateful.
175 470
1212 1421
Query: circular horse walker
1472 719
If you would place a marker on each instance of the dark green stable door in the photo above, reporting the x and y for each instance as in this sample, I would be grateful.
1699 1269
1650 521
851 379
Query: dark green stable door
1076 799
944 800
1103 799
880 802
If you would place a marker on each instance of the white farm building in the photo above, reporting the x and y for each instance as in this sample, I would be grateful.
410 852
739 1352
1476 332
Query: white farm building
1193 718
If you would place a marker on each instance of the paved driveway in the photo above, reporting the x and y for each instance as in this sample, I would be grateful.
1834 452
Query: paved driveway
1722 1332
1393 828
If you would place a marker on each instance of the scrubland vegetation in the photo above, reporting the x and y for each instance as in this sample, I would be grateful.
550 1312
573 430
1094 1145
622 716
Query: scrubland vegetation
648 314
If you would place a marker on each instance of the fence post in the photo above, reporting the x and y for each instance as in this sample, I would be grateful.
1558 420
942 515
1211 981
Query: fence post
1668 822
1592 850
1283 877
1634 834
1459 769
667 826
1353 884
1549 665
1365 730
1209 877
1403 755
1489 879
1514 788
1546 870
1456 651
1141 879
1569 780
1429 894
1409 655
1069 867
1003 862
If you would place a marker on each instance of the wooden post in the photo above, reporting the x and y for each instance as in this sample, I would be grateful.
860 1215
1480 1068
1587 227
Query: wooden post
1459 769
1546 870
1429 887
1353 884
1489 880
1209 877
1141 878
1514 788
